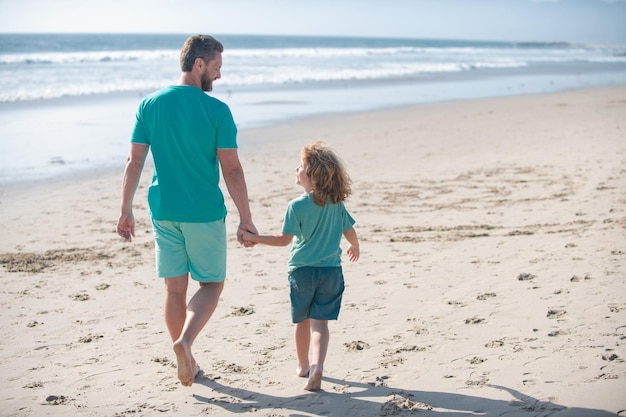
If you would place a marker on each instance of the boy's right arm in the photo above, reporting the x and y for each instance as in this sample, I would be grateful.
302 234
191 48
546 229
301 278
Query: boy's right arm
271 240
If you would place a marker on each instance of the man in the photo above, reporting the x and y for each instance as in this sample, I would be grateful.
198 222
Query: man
190 135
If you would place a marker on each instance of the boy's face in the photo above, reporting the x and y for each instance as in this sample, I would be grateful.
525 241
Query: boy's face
301 178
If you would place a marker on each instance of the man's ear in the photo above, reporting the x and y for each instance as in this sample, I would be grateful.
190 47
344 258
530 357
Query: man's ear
200 64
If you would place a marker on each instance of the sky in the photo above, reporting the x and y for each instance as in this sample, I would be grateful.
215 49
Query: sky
584 21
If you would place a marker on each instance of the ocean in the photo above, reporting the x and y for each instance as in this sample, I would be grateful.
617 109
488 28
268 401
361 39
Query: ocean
67 101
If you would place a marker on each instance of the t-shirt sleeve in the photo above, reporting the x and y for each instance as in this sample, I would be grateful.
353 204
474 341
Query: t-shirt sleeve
291 225
139 132
348 221
226 130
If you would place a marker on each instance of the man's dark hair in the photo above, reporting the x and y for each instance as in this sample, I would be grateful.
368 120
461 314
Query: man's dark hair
198 46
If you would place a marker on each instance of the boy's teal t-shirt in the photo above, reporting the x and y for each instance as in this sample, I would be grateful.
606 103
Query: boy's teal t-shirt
317 232
184 127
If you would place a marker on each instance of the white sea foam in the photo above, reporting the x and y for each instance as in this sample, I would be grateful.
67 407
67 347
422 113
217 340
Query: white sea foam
264 80
41 75
61 58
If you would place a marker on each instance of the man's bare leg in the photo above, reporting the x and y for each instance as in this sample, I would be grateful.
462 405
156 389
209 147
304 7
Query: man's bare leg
302 335
176 304
197 314
320 337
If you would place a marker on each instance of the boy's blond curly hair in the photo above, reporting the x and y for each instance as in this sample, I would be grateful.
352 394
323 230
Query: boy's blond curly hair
330 183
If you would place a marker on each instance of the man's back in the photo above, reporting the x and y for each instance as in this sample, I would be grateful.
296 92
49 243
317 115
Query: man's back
183 127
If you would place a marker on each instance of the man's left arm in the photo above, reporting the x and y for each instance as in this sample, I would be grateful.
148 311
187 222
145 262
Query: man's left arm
235 180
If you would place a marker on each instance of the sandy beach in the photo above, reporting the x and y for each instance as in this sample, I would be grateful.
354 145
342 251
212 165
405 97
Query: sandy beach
492 278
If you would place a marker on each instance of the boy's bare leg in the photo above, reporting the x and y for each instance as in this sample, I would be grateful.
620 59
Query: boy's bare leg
197 314
302 335
320 336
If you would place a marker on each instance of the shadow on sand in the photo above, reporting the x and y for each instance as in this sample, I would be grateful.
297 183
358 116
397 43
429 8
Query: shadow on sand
352 399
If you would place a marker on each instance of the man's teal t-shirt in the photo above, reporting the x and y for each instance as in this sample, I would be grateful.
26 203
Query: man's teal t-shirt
317 232
184 127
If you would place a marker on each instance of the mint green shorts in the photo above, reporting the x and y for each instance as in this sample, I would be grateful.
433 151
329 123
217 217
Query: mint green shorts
195 248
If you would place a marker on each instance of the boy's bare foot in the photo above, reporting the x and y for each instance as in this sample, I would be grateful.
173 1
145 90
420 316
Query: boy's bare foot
302 372
315 379
185 364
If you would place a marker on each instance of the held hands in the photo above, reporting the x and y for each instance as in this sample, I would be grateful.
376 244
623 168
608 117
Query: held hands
248 239
244 232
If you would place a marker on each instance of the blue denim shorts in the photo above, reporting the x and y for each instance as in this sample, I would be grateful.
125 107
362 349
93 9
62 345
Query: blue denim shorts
195 248
316 293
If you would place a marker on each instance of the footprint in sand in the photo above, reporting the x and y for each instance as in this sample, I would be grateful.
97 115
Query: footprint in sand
529 382
535 406
477 382
401 403
90 338
236 369
474 320
610 357
494 344
164 361
555 333
554 314
57 399
525 276
417 329
33 385
356 345
476 360
485 296
80 297
379 382
242 311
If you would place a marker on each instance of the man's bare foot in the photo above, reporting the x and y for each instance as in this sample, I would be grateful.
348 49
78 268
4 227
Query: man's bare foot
302 371
197 371
185 364
315 379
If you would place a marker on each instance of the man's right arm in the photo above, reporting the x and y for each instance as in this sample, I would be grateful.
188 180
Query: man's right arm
132 174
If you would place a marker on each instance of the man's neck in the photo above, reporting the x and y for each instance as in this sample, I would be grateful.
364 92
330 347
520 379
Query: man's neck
188 78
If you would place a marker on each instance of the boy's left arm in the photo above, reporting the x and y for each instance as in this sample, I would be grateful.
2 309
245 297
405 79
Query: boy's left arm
353 251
